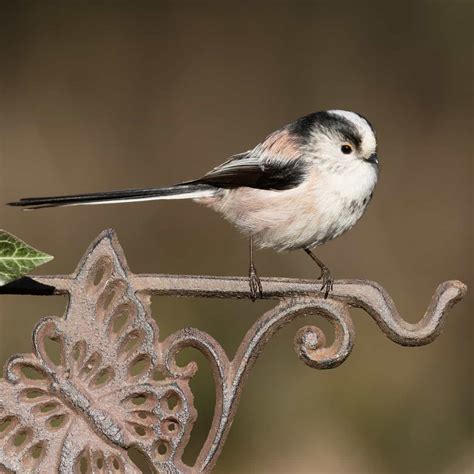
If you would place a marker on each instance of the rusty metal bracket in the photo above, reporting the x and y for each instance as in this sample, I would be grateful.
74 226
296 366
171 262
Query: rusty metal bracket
116 385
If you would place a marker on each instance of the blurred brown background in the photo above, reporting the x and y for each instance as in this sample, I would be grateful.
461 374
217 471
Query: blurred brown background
109 95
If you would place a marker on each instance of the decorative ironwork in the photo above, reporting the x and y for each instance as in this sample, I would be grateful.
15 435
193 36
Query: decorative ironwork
116 385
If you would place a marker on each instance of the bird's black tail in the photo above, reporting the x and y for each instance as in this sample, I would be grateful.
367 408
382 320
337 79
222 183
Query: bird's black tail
179 191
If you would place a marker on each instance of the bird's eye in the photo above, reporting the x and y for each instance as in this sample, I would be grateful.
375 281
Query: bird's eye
346 149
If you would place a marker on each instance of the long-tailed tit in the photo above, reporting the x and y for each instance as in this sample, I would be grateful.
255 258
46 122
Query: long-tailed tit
305 184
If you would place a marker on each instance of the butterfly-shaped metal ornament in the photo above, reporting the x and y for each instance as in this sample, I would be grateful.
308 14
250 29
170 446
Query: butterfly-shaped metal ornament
104 389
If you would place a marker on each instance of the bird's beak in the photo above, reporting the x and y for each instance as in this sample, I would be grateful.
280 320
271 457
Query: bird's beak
373 158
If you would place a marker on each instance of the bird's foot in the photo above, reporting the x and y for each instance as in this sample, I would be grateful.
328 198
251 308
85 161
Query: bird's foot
256 290
328 281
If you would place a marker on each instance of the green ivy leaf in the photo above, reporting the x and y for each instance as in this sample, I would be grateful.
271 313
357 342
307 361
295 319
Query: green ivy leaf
17 258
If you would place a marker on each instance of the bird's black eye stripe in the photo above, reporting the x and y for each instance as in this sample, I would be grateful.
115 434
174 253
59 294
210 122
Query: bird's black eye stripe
346 149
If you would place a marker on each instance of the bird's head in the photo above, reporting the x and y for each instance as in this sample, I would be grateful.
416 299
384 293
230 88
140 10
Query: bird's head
338 137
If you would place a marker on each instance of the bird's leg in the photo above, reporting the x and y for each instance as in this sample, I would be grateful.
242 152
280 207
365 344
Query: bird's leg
328 281
254 281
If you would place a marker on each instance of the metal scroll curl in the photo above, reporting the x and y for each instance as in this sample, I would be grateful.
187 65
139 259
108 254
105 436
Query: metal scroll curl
229 376
115 385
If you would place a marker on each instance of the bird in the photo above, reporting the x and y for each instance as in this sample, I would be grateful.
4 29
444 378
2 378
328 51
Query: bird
302 186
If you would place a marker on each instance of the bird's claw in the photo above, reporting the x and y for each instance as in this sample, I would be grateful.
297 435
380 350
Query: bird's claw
328 281
256 290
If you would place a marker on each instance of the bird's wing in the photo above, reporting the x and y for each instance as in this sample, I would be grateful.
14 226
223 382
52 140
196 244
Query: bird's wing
275 164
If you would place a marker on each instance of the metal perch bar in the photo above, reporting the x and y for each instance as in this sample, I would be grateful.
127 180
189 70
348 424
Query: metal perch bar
364 294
